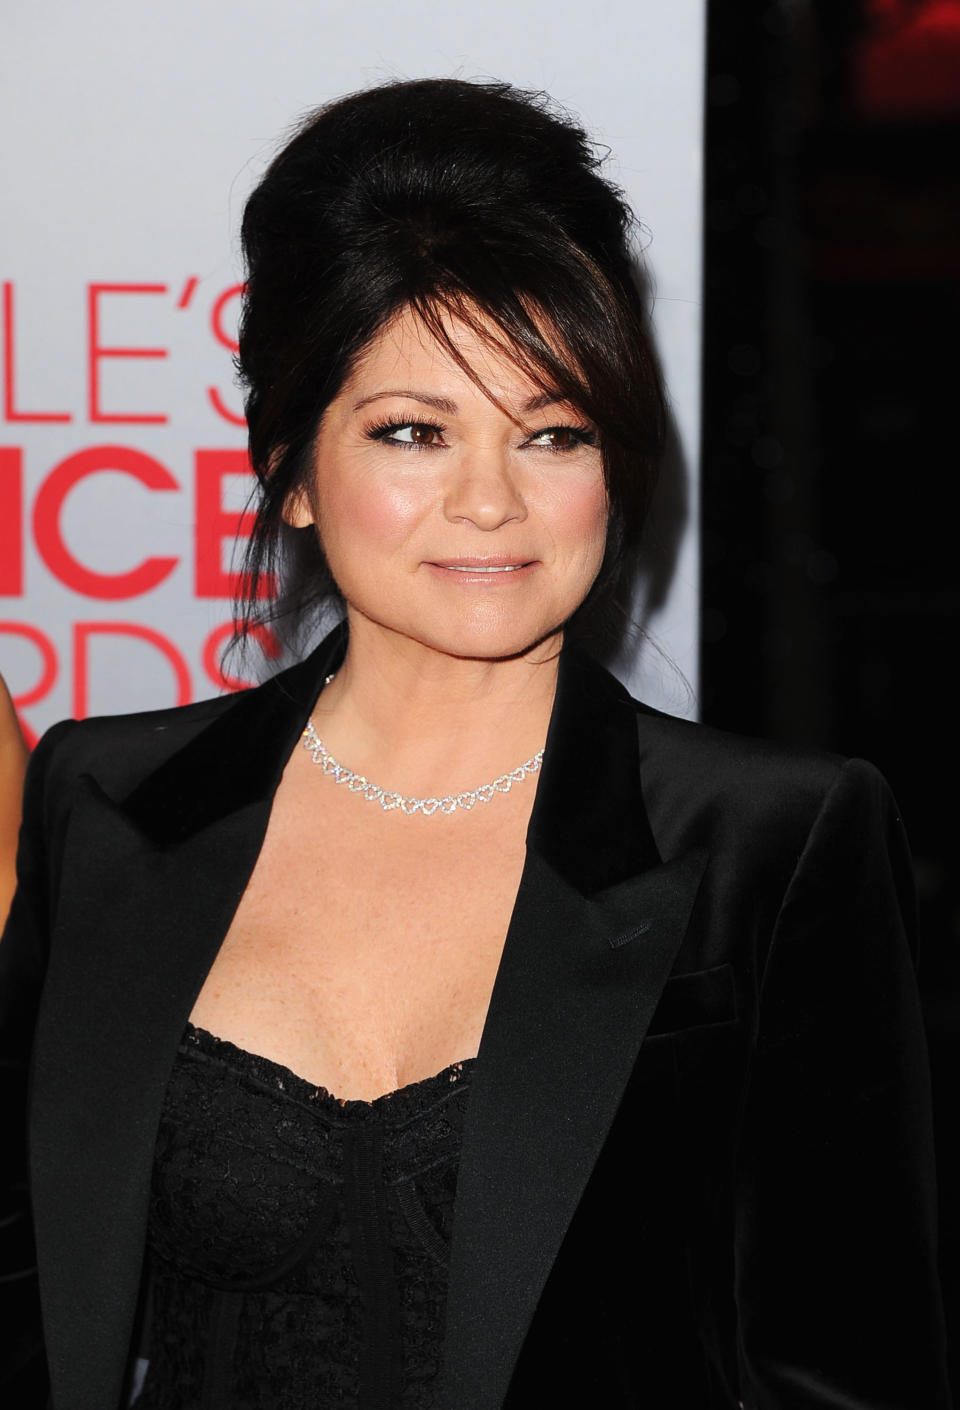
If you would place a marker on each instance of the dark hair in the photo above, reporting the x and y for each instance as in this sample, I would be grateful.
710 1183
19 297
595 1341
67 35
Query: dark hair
445 197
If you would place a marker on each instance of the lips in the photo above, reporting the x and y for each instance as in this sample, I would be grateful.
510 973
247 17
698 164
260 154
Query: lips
494 568
483 565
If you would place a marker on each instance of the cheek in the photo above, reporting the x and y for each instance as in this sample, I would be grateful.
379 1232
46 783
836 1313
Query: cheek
582 520
371 514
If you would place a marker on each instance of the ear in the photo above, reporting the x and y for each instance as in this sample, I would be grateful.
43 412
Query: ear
296 509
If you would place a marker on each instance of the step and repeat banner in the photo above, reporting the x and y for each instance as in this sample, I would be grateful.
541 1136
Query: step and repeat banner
132 134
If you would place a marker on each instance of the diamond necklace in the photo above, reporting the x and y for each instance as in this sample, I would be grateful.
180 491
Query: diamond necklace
389 800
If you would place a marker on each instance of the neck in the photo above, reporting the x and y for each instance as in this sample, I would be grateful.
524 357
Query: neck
418 720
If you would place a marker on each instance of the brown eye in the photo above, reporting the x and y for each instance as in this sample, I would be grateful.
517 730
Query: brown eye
408 433
562 438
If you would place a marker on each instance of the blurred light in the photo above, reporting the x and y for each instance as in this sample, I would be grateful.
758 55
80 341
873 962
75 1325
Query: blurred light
907 65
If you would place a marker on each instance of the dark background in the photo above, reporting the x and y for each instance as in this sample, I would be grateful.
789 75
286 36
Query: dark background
831 408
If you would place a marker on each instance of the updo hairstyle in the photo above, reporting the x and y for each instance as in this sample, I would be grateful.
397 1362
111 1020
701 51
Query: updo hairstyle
446 197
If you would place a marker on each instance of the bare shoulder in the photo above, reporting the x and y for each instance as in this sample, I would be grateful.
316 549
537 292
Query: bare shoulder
13 759
13 754
10 737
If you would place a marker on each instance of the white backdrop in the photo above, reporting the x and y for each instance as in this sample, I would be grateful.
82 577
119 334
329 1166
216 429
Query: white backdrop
131 135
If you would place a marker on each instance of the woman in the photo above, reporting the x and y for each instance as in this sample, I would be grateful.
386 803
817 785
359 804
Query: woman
13 758
467 1083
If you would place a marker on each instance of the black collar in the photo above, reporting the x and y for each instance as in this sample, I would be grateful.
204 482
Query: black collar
588 821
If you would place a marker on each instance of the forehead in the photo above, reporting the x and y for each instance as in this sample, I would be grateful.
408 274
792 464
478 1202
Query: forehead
406 355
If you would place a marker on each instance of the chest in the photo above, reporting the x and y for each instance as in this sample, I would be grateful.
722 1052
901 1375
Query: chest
365 948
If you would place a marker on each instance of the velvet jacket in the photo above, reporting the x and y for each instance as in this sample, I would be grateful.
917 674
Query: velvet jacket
697 1165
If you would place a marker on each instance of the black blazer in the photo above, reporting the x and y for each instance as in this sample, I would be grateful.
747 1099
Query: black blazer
697 1164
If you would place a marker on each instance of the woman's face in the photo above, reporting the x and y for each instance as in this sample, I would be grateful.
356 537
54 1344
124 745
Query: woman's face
473 532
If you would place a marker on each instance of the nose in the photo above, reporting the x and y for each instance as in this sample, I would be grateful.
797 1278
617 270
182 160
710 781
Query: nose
483 490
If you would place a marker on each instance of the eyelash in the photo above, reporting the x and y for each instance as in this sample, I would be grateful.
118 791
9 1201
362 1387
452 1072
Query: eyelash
385 430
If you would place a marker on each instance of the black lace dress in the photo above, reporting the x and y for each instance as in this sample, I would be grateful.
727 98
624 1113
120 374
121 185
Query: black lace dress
297 1248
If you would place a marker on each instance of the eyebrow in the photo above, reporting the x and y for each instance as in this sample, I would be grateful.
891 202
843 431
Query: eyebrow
448 407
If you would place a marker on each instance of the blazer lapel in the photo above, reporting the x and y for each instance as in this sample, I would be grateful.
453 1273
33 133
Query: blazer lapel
150 885
598 922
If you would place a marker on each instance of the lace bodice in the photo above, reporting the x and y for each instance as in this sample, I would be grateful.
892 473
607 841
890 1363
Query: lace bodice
297 1246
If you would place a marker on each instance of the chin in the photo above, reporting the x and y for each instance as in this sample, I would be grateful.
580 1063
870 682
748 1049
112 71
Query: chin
477 635
502 642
